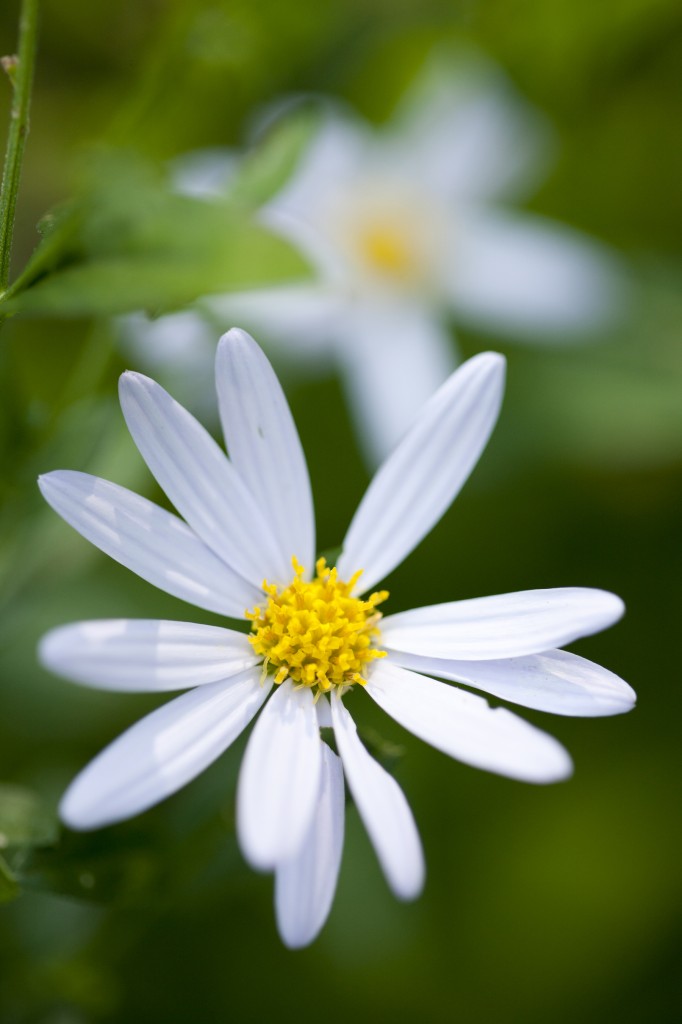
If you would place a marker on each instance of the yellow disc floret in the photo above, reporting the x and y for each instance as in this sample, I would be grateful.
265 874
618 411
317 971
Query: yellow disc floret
315 633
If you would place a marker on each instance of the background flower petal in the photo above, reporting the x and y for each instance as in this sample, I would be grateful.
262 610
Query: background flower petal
521 275
392 359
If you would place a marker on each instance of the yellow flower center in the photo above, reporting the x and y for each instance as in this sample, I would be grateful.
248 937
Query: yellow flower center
387 248
316 633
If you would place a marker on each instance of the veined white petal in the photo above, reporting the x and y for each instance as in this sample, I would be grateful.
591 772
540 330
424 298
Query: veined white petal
554 681
408 350
383 808
503 626
162 752
264 445
522 275
200 481
142 654
279 778
418 482
155 544
305 884
464 726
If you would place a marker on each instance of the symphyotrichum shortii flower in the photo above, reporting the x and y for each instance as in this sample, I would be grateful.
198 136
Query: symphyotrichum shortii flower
414 225
245 548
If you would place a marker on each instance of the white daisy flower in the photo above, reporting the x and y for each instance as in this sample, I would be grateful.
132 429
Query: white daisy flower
410 226
245 548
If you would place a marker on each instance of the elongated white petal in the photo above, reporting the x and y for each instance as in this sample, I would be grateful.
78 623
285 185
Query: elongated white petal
264 445
301 319
404 347
383 808
418 482
162 752
156 545
464 726
521 275
305 884
200 481
554 681
333 158
503 626
464 134
279 779
145 655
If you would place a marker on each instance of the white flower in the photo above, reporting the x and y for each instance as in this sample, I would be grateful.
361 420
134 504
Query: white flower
407 227
312 637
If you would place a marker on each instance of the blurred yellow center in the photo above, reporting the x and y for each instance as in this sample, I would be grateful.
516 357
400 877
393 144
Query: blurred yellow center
316 633
387 249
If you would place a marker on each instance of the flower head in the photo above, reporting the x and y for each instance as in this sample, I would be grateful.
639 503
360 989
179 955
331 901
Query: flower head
245 549
411 226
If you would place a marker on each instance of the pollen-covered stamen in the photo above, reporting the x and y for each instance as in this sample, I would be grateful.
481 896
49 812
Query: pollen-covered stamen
315 633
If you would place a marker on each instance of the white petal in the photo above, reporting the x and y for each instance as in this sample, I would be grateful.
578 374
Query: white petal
162 752
140 654
383 808
418 482
305 884
264 445
301 318
521 275
503 626
156 545
279 779
393 358
553 681
465 134
333 158
200 481
464 726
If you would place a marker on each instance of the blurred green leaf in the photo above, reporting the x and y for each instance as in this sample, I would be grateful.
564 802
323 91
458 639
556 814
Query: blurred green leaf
97 867
9 887
129 242
24 818
270 164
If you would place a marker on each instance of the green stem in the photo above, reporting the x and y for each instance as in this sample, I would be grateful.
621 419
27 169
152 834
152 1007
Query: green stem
20 72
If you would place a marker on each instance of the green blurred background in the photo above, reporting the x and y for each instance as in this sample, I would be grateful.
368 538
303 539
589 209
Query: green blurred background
557 903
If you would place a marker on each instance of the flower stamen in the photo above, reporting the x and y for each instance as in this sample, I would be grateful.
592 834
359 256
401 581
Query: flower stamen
314 632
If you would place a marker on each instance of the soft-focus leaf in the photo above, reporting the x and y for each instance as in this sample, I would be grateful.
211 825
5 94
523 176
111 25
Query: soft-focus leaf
24 818
129 242
266 169
9 887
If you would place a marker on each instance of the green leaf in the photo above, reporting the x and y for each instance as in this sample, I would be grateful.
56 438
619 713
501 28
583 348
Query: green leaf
24 819
271 163
129 242
9 887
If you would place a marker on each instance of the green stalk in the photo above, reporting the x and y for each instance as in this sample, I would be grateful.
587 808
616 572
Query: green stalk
20 72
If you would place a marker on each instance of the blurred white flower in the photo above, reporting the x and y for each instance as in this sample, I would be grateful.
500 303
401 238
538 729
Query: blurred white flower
313 635
408 227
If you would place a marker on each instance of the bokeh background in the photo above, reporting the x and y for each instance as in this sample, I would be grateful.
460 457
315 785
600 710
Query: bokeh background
558 903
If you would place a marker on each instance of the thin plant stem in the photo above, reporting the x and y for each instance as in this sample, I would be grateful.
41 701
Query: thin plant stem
20 72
